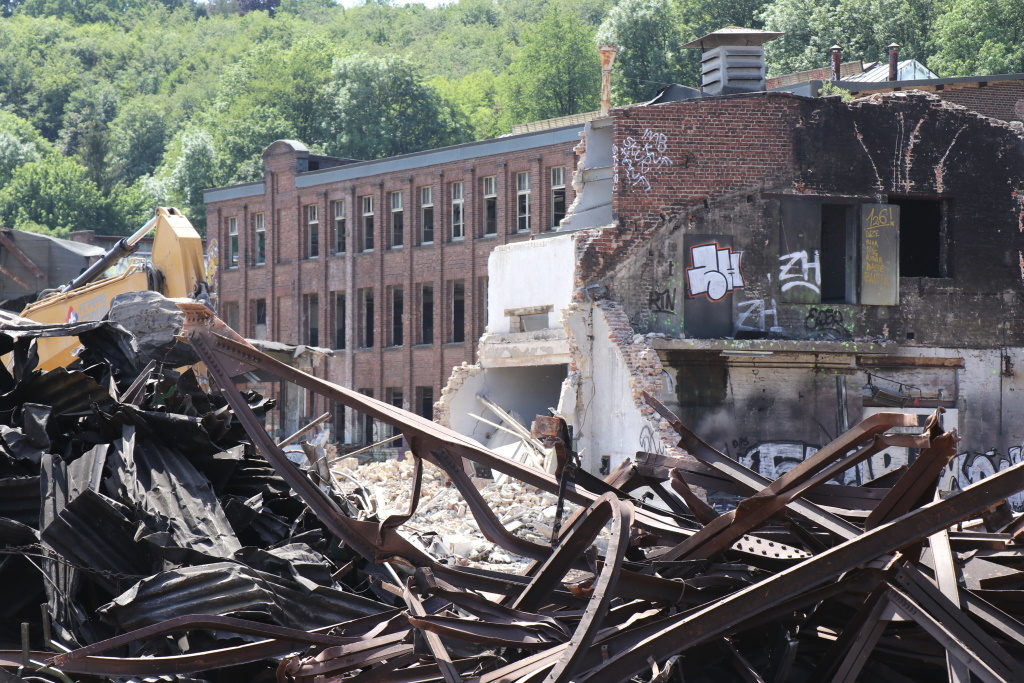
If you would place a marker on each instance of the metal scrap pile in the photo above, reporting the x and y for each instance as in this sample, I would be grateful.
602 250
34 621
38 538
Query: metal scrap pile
143 511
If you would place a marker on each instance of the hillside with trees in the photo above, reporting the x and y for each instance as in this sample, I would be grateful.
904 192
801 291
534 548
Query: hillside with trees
110 107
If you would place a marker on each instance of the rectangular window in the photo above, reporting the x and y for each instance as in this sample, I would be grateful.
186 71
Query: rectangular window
426 215
339 320
397 221
397 302
312 231
522 202
340 226
426 330
229 314
922 252
310 320
366 203
259 319
458 212
366 318
457 291
232 242
259 229
425 402
366 435
395 397
557 195
490 192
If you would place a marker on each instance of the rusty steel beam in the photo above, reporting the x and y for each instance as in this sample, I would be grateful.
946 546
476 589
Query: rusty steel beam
679 634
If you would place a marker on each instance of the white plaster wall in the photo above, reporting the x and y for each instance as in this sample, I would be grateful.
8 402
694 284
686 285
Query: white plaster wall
534 273
608 421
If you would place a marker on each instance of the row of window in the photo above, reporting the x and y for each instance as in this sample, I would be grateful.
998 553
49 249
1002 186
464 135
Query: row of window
396 226
395 305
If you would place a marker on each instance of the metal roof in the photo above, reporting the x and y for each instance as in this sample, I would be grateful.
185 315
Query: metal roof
906 70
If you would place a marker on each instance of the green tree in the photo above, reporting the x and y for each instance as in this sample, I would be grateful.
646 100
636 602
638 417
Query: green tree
54 192
20 143
382 108
979 37
648 36
194 169
863 27
476 97
138 136
556 72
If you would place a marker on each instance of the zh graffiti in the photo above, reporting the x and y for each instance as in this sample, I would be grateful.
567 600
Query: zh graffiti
634 159
754 314
795 270
715 271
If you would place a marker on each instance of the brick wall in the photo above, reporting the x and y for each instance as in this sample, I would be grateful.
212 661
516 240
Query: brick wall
1001 100
289 274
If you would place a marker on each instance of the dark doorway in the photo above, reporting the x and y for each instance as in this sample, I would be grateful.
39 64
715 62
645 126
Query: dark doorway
834 230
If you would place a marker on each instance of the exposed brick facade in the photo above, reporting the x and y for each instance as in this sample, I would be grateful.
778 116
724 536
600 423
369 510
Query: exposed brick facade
289 276
1000 100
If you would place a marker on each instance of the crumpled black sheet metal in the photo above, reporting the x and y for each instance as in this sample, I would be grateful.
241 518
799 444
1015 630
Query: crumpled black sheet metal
232 589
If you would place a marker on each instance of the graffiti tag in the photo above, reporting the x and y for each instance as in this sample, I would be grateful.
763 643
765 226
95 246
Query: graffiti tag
634 160
795 270
715 271
827 321
662 301
969 468
754 314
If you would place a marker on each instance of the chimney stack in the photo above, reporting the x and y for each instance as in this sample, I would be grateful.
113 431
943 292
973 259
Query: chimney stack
894 60
837 60
608 53
732 60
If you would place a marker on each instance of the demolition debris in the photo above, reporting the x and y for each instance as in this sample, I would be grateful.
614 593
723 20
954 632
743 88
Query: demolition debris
151 527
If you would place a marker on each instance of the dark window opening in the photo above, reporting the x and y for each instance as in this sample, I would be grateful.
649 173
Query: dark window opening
491 216
367 318
425 402
458 311
921 238
427 315
339 320
397 309
835 267
311 314
340 434
259 319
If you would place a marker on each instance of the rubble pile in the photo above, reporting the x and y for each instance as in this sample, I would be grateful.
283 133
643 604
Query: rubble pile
167 535
443 514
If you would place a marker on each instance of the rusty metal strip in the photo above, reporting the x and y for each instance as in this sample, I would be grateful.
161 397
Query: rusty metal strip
437 648
919 482
678 635
843 662
701 510
22 257
947 580
942 619
518 634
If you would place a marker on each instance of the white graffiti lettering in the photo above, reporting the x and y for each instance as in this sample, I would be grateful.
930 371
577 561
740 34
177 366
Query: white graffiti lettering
969 468
795 271
754 314
715 271
634 160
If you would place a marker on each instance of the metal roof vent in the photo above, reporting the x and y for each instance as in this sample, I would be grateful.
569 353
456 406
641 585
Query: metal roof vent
732 60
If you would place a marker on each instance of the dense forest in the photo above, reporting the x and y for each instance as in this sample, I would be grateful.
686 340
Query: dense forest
111 107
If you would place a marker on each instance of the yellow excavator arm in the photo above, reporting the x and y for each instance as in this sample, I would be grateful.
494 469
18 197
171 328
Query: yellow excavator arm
177 271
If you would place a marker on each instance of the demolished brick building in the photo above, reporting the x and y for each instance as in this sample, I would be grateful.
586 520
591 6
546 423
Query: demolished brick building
780 266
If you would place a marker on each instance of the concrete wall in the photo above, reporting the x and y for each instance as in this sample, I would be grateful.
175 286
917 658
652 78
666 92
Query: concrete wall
525 274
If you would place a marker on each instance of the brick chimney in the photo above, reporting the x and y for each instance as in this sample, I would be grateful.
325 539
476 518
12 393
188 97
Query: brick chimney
608 53
837 60
732 59
894 60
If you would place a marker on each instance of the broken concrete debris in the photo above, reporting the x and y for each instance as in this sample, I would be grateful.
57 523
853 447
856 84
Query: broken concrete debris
152 528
